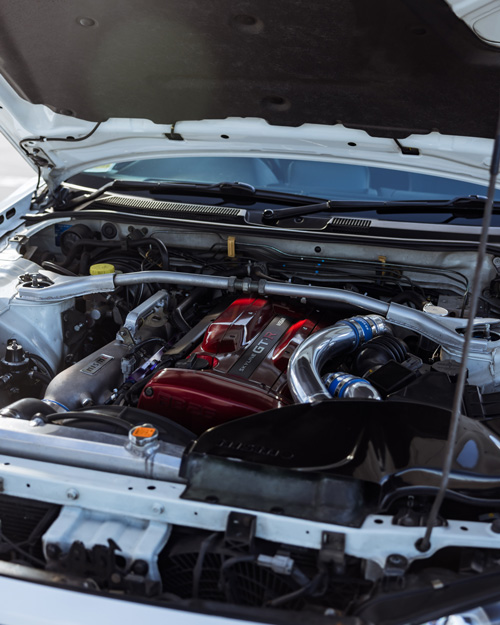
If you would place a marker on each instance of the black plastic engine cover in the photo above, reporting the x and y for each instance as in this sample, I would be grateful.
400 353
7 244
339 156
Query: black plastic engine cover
369 440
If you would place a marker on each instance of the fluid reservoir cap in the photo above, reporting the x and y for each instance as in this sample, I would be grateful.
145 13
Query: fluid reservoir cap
101 268
144 434
432 309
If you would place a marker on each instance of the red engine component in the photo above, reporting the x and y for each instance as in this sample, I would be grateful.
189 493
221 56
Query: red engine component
239 368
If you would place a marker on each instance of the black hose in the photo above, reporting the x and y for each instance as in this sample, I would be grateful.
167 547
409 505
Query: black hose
87 243
174 432
37 375
38 360
309 588
162 248
409 297
83 265
227 564
17 547
224 584
139 346
177 314
198 567
179 321
48 264
160 422
75 416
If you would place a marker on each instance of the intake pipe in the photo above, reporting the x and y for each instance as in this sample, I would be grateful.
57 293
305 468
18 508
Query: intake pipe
307 361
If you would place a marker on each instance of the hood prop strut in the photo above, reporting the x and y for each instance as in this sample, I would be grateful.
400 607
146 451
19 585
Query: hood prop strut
424 544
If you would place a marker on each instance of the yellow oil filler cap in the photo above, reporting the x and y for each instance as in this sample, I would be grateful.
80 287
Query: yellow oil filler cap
100 268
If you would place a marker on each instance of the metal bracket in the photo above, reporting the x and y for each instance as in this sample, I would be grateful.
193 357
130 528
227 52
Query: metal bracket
137 317
172 135
395 565
36 154
407 150
240 531
83 538
394 571
333 550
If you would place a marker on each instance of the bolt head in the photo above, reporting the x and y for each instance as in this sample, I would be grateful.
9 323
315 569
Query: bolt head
396 560
408 521
72 494
53 551
158 508
140 567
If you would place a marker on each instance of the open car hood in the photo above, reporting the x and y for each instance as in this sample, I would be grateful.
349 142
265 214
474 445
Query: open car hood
409 70
393 67
219 403
62 147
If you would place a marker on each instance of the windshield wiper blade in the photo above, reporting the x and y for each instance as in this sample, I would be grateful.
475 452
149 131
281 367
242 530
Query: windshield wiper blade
218 188
455 206
224 190
467 203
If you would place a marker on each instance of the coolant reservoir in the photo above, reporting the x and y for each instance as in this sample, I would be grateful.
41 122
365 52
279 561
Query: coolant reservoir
101 268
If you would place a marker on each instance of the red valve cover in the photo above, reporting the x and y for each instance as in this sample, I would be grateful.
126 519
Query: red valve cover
246 349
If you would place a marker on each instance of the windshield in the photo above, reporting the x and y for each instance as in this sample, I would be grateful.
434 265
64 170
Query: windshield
310 178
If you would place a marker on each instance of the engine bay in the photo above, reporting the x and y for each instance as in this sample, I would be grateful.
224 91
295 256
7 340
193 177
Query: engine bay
295 397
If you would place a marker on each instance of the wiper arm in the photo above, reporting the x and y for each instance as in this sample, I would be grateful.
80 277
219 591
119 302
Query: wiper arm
468 203
223 189
271 215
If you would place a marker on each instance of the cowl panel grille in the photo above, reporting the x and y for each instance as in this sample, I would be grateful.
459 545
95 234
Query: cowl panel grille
169 207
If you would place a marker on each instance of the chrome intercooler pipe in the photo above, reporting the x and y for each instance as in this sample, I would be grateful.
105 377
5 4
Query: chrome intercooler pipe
304 368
